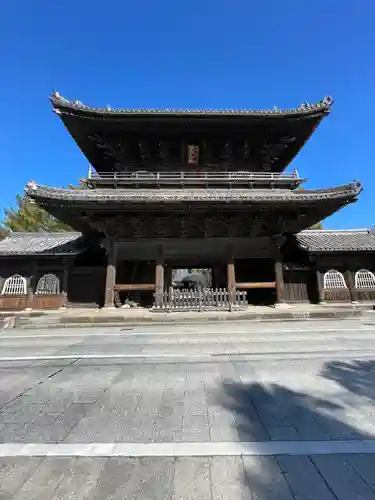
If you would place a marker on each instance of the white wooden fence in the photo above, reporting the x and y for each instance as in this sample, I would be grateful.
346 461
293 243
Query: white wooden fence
204 299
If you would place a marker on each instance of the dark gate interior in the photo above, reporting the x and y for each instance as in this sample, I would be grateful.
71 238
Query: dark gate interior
86 285
136 273
257 271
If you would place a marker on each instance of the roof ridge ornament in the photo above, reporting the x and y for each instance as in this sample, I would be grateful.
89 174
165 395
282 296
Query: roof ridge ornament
31 186
57 99
56 95
328 101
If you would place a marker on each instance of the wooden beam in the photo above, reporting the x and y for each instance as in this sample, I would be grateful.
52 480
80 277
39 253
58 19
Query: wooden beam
261 284
134 286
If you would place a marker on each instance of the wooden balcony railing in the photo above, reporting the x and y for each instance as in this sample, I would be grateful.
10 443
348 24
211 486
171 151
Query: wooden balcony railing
143 177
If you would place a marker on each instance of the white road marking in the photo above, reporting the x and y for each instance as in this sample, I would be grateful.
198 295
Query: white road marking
253 356
187 449
180 332
103 356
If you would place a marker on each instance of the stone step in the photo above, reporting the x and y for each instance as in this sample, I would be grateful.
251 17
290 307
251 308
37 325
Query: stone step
111 320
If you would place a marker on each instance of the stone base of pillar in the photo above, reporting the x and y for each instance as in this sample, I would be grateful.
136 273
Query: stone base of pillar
111 308
282 305
354 301
28 309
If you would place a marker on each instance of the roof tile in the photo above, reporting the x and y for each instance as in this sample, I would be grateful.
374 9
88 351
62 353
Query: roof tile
41 244
346 240
17 244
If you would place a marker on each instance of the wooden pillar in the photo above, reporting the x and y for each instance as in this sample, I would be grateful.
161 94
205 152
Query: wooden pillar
159 277
320 286
231 277
279 279
110 280
349 278
278 241
31 286
64 291
167 276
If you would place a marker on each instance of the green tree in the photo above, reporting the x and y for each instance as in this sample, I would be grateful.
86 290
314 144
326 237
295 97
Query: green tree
27 216
3 233
318 225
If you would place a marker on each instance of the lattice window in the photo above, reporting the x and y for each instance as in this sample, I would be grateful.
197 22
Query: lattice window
15 285
364 279
333 279
49 284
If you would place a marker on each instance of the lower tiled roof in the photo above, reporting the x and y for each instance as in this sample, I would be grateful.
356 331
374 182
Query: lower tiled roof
346 240
67 243
72 243
38 192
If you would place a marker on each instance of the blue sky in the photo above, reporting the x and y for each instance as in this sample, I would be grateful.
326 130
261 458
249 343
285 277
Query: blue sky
201 53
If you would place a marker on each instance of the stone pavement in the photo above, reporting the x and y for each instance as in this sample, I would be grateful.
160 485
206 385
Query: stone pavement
313 388
91 401
168 478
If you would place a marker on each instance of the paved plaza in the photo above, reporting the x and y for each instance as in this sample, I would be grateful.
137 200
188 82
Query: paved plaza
214 411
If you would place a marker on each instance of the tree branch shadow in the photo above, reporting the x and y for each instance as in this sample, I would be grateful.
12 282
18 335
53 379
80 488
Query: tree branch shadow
276 413
357 376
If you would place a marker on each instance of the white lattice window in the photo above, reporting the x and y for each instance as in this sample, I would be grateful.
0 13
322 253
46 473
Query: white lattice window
364 279
49 284
15 285
334 279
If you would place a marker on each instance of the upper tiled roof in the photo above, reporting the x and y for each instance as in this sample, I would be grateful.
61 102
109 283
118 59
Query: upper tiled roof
68 243
62 105
315 240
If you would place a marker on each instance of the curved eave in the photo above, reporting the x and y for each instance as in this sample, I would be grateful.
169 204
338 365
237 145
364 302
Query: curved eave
84 197
64 106
291 211
84 123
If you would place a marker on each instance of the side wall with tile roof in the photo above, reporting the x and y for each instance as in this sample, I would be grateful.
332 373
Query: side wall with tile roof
88 277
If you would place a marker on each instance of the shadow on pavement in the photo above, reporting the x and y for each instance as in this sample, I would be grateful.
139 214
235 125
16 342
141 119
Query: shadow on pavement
276 413
356 376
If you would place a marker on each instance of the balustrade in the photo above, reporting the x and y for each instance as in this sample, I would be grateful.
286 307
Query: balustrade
194 177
